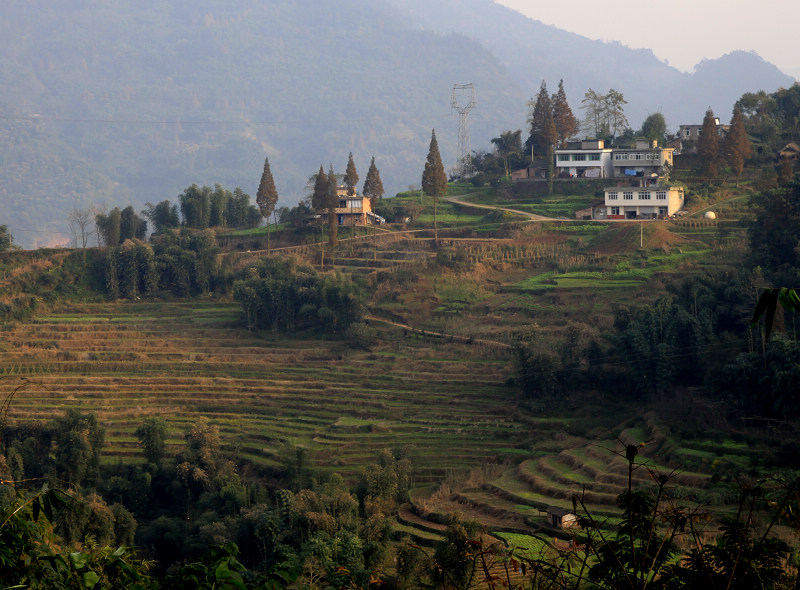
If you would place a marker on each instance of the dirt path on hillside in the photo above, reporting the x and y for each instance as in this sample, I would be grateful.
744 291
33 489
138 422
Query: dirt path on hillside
459 200
454 337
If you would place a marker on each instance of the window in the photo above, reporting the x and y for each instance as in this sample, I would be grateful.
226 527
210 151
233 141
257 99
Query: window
644 195
612 196
620 156
614 211
563 157
578 157
594 157
662 210
661 195
688 132
627 195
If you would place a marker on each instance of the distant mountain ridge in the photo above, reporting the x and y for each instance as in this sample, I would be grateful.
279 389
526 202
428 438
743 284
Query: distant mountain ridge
122 103
533 51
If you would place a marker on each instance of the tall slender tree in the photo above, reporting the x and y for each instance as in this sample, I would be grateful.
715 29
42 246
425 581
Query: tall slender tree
373 186
434 179
565 121
594 122
543 130
267 196
736 146
332 201
318 197
543 127
615 112
351 176
708 146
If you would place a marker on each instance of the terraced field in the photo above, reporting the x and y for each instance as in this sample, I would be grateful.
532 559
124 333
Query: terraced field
446 402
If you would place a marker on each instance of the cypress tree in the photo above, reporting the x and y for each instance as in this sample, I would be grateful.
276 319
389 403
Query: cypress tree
351 176
736 145
565 121
373 187
708 146
267 196
543 130
434 180
318 197
543 126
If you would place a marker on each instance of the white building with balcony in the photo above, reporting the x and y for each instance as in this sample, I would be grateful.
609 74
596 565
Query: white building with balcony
644 160
584 159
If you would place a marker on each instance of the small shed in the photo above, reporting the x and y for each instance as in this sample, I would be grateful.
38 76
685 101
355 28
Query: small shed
562 518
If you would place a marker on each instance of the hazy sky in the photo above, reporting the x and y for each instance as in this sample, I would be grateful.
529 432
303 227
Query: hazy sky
682 32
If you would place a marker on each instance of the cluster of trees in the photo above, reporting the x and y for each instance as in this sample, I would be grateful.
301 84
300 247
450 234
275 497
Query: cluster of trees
604 114
771 119
117 226
198 208
189 507
280 294
181 263
202 208
733 148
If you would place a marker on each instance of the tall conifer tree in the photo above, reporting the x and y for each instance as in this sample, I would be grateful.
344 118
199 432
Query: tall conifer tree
351 176
565 121
736 145
373 186
543 126
267 196
708 146
319 196
543 130
434 179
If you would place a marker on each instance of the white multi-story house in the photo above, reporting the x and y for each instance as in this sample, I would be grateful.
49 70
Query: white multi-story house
642 202
645 160
584 159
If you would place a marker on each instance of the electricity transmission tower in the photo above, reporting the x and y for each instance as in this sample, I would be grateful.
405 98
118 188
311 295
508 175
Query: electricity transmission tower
463 101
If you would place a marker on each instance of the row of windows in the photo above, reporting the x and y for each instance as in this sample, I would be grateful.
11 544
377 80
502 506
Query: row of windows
578 157
638 156
643 195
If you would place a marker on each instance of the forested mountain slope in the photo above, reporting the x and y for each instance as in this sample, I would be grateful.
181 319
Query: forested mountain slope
155 96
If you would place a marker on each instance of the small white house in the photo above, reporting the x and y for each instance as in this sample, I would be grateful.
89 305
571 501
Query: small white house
643 202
